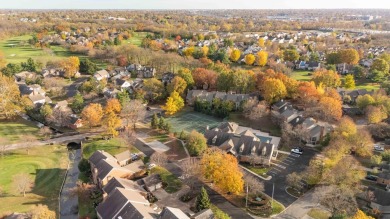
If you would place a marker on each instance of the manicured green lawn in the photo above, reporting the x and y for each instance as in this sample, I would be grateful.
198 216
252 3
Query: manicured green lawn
301 75
171 182
137 38
218 213
14 131
318 213
277 207
112 146
258 170
46 165
161 138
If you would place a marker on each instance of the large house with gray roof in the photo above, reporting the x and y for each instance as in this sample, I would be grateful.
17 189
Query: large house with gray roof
242 142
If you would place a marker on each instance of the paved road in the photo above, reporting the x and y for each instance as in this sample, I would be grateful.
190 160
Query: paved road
68 201
293 163
301 207
58 140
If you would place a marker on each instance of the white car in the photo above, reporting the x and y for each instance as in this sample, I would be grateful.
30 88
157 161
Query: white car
378 147
151 166
297 150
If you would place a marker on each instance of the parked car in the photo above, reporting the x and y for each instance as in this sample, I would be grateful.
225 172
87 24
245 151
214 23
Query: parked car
371 177
297 150
378 147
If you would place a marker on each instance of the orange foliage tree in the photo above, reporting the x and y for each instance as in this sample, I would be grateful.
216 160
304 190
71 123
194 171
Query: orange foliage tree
113 105
92 114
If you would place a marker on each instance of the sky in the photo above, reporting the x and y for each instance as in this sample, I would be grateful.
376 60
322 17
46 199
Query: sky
192 4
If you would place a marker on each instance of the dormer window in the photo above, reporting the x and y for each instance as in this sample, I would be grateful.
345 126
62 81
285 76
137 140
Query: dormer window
241 148
214 140
254 150
264 151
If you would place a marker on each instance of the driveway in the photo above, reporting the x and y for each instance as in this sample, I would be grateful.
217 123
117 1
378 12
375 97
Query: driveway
293 163
68 201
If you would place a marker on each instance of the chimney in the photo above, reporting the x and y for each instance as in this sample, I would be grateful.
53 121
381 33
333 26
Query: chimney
207 128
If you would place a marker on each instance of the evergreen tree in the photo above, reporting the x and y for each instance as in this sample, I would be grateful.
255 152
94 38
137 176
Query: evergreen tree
161 123
154 123
167 127
78 103
202 201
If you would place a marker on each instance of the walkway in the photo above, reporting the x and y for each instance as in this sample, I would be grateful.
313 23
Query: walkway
68 200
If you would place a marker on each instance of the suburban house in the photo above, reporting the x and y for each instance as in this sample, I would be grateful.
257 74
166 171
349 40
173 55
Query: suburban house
204 214
110 92
353 94
146 72
34 93
202 95
167 78
75 122
246 144
121 183
384 178
313 66
122 84
172 213
62 105
102 74
104 167
22 76
125 203
380 201
344 68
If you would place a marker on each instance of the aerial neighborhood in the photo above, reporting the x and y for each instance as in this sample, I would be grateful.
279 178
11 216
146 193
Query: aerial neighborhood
194 114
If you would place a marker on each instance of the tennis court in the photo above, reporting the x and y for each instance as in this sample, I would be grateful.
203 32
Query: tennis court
190 120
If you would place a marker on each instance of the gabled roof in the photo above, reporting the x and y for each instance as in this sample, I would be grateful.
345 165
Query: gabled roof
99 155
121 183
36 97
152 180
297 121
122 203
173 213
281 103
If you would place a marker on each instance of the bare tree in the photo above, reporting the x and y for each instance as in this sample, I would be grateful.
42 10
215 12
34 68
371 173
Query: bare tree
159 158
31 139
338 200
23 183
253 109
294 180
133 111
191 172
4 144
60 117
45 132
42 211
252 185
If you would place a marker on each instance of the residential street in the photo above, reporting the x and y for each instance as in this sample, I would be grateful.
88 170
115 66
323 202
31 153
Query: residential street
301 207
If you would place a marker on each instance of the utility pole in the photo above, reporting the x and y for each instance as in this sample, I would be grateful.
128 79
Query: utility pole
246 200
273 189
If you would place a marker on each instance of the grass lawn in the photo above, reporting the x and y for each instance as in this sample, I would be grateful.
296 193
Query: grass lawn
157 137
16 50
218 213
277 207
46 165
319 213
112 146
137 38
171 183
258 170
14 131
301 75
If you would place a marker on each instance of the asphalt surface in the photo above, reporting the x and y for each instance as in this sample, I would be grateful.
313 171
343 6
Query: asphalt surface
68 201
72 89
293 163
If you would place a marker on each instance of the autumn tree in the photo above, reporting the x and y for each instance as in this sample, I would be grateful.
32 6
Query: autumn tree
204 78
349 56
235 55
174 103
133 111
11 102
92 114
186 74
111 122
154 89
331 108
327 78
112 105
261 43
23 183
3 61
337 200
262 58
196 143
375 114
223 169
273 90
380 65
42 212
250 59
349 82
294 180
178 84
364 101
70 66
361 215
290 55
254 109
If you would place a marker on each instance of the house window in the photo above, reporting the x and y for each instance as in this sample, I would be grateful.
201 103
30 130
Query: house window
314 140
214 140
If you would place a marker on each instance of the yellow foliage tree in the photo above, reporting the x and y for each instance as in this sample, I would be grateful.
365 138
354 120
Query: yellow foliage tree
223 169
178 84
112 122
261 42
375 114
70 66
250 59
262 58
189 51
235 55
174 103
274 90
10 100
331 108
205 51
92 114
361 215
113 105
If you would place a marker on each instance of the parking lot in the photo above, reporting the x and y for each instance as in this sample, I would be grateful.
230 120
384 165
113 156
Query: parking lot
292 163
